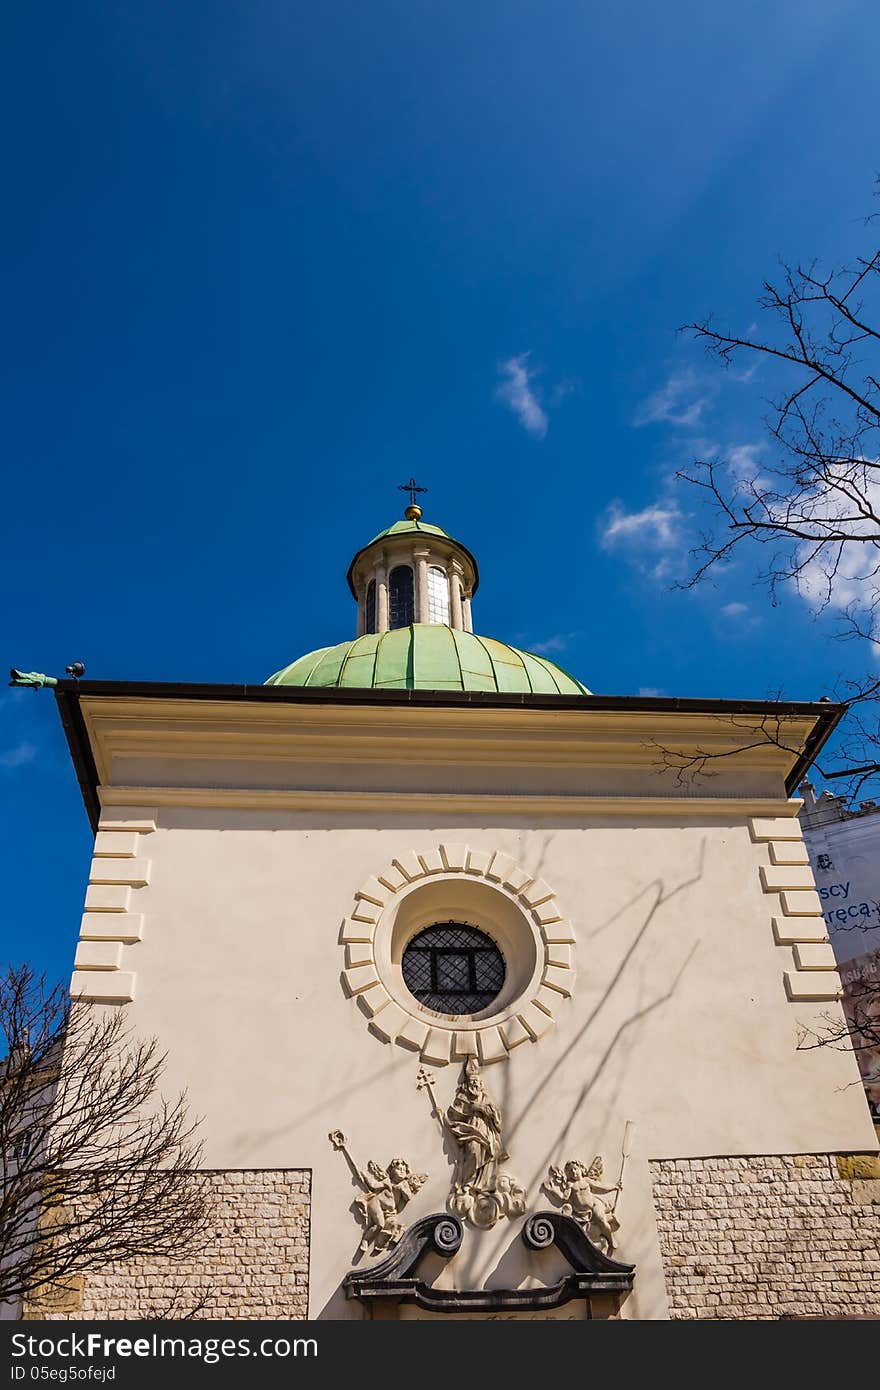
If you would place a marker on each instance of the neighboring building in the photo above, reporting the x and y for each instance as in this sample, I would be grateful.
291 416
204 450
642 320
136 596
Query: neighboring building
844 849
425 927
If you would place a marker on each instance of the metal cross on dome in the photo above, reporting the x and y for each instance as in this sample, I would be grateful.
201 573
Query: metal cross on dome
412 488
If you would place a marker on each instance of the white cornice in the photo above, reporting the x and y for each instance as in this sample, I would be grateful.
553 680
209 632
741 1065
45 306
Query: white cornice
477 736
443 803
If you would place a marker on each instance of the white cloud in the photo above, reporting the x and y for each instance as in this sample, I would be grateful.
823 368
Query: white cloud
664 569
559 642
846 577
23 753
658 525
682 401
738 618
849 582
742 460
515 391
743 466
649 691
745 374
701 446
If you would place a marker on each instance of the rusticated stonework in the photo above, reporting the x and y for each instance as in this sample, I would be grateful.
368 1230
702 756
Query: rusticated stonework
255 1265
769 1237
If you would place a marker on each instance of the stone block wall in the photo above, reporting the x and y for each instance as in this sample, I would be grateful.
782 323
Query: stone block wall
255 1264
770 1237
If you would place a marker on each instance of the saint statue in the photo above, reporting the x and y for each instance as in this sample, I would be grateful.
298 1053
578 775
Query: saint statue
475 1124
480 1194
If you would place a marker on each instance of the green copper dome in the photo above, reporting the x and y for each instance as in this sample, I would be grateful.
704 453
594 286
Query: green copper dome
429 657
403 528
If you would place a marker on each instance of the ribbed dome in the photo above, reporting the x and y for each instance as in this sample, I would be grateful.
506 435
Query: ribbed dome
429 657
405 528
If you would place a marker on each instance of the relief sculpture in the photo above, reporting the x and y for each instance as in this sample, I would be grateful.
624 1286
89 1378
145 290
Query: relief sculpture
480 1193
386 1193
582 1193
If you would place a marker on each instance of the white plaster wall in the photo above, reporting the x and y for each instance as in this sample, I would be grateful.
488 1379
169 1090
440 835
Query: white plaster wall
679 1019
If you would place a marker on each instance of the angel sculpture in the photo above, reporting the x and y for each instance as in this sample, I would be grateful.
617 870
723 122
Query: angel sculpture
581 1191
386 1193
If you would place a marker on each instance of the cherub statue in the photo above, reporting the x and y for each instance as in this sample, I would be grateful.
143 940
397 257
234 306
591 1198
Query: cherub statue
386 1193
580 1190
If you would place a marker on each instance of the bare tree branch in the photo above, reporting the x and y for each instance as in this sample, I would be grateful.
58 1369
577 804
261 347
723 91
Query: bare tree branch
95 1165
813 512
859 1025
809 519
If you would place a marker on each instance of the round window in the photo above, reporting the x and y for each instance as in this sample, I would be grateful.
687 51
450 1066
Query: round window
453 968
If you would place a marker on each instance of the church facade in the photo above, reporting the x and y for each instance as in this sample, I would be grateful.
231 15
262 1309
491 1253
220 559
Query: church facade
491 1008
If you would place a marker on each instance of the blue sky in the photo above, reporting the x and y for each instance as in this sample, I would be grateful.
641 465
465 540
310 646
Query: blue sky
264 260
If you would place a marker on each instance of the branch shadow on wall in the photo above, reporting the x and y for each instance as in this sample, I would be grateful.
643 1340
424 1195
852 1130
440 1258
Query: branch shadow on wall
513 1263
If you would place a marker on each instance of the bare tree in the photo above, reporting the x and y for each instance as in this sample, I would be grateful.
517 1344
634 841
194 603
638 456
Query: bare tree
859 1025
95 1166
813 513
811 519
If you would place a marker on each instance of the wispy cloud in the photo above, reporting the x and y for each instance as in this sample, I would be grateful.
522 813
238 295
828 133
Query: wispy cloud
647 691
738 619
843 575
848 582
745 374
22 728
23 753
743 464
663 569
552 646
561 390
742 459
658 525
682 401
515 390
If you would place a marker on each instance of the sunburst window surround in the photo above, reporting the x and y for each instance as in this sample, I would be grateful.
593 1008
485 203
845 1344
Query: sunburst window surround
482 889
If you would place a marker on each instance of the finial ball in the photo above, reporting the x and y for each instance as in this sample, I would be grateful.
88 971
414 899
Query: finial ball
413 512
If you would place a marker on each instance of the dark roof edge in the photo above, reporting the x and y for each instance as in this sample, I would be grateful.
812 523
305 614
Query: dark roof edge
295 694
829 718
68 693
80 749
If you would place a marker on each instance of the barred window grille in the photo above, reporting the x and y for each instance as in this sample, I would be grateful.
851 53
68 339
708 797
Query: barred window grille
400 596
453 968
371 606
438 596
